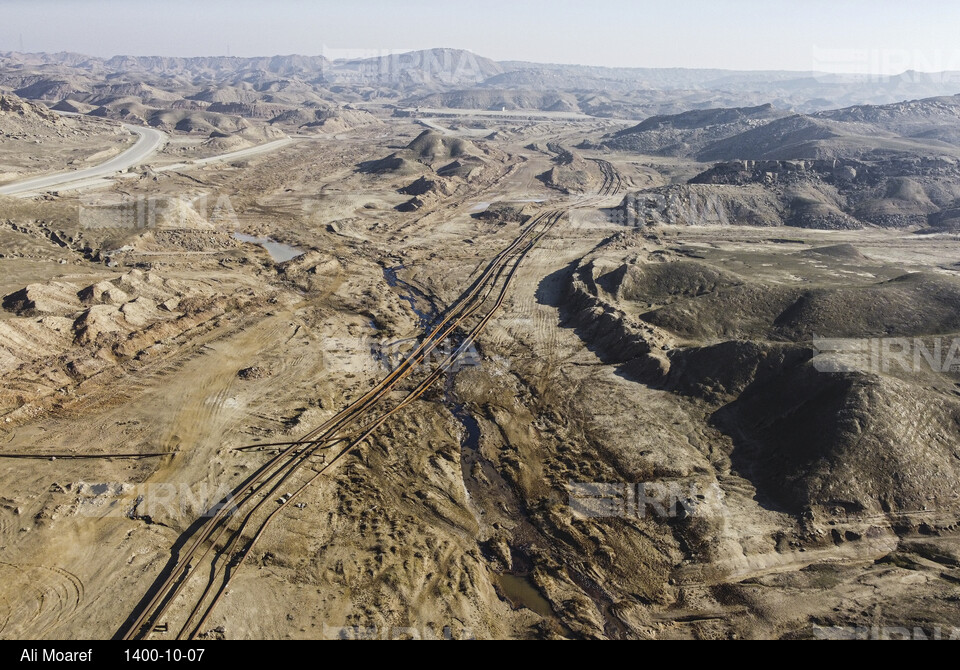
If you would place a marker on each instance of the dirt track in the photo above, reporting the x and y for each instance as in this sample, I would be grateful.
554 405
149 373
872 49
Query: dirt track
452 518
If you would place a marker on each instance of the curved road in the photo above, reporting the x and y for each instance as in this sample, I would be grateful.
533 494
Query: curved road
150 140
233 155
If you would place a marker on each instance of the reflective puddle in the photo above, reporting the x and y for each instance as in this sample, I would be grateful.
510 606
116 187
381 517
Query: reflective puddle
521 593
280 253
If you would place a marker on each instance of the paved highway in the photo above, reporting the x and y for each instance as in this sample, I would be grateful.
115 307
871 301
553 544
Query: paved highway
233 155
150 140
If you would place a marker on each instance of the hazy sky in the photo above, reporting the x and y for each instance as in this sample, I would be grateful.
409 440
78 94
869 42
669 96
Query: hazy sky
877 36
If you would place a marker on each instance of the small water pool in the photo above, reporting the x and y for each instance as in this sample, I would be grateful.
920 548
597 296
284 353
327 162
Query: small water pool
280 253
522 593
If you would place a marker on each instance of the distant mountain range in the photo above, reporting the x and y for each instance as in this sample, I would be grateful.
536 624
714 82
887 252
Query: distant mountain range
455 77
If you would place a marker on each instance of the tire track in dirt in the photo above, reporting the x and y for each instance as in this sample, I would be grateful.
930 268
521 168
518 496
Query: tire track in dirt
201 413
8 522
46 597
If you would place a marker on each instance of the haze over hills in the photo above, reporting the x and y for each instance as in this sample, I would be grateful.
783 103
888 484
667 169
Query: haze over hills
237 102
464 76
452 327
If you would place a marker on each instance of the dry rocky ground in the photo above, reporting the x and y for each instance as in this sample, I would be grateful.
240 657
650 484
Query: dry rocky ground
749 494
36 141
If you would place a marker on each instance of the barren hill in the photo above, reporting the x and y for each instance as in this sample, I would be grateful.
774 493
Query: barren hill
686 134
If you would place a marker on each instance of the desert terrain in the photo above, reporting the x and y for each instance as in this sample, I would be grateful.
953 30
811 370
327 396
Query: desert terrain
382 350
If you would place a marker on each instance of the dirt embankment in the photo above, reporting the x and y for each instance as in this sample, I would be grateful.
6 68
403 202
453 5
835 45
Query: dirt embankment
571 172
65 333
809 439
816 194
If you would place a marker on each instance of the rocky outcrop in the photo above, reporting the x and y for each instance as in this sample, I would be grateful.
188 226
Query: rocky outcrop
64 333
813 438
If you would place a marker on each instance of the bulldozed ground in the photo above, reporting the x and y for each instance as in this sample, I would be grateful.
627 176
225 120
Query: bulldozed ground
640 444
